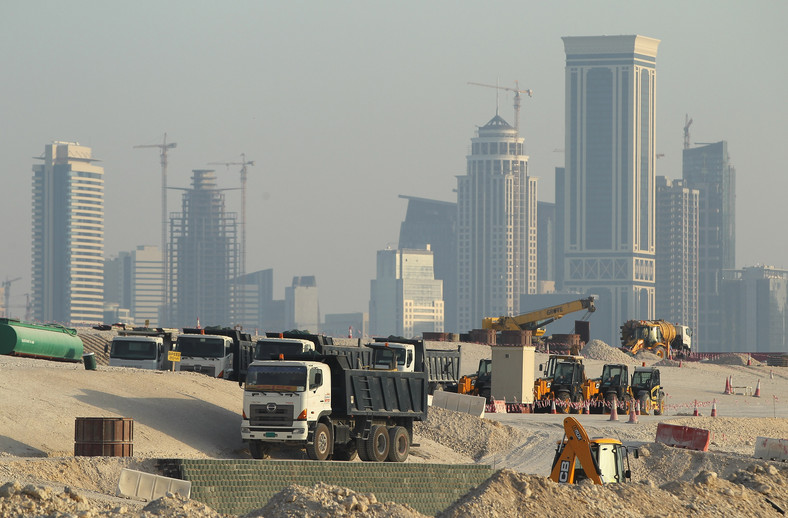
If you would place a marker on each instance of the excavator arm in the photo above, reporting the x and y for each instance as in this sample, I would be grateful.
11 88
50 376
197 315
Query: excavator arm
576 447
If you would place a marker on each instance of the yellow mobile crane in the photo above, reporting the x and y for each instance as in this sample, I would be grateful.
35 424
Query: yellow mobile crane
536 320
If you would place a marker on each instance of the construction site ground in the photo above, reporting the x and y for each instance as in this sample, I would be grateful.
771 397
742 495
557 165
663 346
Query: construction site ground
190 416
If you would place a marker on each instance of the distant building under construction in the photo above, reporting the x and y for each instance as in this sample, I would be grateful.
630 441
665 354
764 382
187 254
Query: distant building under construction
203 255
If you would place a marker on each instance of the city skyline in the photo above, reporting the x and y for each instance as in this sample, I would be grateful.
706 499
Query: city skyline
335 128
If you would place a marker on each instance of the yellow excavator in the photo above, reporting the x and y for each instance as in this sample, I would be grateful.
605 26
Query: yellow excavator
577 458
535 321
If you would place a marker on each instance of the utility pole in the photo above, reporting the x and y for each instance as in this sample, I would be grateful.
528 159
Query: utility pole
163 148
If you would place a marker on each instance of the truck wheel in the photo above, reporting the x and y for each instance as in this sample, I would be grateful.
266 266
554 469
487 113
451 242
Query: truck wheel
645 405
258 449
378 444
400 444
660 352
346 452
361 449
321 443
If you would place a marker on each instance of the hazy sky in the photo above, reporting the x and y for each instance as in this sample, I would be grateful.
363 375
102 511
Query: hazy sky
344 105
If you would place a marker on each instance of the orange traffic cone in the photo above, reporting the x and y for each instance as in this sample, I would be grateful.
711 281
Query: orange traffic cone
633 414
696 413
714 408
727 386
771 374
614 410
757 389
552 407
587 408
749 360
680 362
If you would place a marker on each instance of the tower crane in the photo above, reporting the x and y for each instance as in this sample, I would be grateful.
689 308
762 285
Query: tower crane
164 147
517 93
687 124
244 164
7 294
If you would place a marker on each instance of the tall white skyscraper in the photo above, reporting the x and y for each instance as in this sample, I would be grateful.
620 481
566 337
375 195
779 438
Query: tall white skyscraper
68 236
405 297
496 227
609 226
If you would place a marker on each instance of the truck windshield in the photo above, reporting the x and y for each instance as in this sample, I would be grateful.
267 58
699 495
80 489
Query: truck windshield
270 350
563 373
383 357
133 350
276 378
641 379
201 346
612 375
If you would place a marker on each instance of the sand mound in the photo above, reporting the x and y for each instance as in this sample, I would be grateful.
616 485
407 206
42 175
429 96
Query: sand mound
325 500
599 350
467 434
733 359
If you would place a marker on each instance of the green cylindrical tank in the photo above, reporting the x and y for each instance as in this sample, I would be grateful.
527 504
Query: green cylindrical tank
42 341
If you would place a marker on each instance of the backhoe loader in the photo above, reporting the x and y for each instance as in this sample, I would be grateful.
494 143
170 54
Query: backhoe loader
577 458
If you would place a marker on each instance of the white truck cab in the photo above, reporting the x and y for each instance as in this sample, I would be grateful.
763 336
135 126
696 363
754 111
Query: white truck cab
142 352
208 354
392 356
284 399
271 348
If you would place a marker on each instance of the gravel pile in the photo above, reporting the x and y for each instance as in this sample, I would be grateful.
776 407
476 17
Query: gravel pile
467 434
324 500
599 350
733 359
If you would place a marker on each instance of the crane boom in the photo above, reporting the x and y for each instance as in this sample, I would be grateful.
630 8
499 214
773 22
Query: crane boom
535 320
517 93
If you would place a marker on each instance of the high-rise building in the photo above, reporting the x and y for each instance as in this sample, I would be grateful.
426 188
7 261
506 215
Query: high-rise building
545 249
68 235
302 308
677 252
755 304
496 227
609 176
258 290
203 255
405 298
135 281
433 223
707 168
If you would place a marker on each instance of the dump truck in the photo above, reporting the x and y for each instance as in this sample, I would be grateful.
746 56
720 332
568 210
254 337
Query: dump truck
613 389
579 458
441 365
646 390
283 345
219 352
334 411
662 338
143 348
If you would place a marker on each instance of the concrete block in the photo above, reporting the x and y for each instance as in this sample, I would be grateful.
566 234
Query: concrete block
771 449
138 484
472 405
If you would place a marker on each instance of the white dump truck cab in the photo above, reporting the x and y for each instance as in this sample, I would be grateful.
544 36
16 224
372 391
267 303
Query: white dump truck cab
142 352
283 401
393 356
207 354
684 337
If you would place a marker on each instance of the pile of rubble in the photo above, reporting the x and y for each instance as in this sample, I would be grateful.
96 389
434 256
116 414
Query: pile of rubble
599 350
733 359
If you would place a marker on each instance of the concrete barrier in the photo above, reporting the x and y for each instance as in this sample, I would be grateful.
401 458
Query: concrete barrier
138 484
683 437
473 405
771 449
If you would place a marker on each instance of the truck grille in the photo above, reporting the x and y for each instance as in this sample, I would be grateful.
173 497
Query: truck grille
271 415
202 369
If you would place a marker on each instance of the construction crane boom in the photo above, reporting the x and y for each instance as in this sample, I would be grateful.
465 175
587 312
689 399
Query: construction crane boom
687 124
517 102
164 147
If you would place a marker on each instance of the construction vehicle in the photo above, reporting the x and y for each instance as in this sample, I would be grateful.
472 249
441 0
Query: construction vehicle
579 458
478 384
542 385
570 388
143 348
662 338
535 321
613 389
218 352
646 390
441 365
334 411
